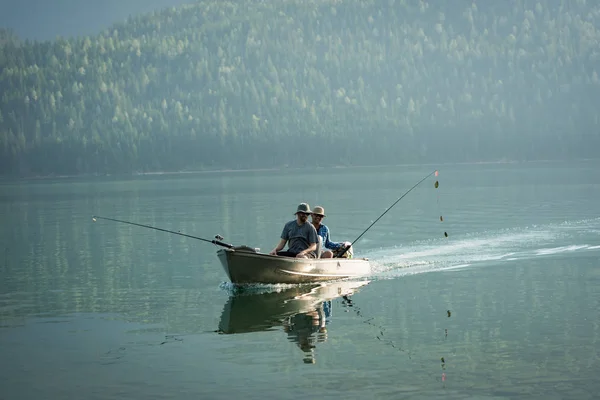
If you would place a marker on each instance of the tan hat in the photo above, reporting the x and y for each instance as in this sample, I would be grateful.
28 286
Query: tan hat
319 211
303 208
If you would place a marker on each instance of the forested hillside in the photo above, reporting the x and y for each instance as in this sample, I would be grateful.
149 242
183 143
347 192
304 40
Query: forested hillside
218 84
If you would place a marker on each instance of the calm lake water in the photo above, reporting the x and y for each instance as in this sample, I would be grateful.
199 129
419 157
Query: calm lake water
508 305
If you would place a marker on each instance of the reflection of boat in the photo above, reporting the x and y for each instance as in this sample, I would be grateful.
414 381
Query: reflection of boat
245 265
260 312
302 311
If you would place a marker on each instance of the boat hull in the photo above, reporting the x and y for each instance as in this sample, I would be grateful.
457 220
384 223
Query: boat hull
245 266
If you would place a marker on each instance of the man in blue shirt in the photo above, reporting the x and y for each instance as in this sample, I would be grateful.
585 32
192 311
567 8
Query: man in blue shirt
318 213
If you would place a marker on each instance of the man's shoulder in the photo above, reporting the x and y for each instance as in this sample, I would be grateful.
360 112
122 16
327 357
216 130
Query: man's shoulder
289 223
322 229
312 226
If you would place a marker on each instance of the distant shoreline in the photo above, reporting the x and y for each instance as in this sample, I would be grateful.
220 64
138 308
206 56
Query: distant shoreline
233 170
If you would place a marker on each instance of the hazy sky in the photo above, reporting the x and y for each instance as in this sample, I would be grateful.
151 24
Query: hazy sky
46 19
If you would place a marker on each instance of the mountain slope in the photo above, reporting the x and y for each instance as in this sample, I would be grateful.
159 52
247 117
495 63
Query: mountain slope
219 84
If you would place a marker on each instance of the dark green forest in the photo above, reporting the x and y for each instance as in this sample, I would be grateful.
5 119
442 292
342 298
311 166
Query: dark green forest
217 84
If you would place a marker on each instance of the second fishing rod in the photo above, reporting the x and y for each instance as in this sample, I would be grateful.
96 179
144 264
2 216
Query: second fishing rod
341 254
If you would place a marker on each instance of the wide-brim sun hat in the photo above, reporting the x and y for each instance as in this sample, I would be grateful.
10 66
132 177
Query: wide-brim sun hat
303 208
318 210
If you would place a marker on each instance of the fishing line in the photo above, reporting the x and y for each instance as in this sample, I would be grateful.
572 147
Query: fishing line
383 337
341 254
436 185
347 302
448 312
216 241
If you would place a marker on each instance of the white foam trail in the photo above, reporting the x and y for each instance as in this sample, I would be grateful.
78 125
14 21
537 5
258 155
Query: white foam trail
561 249
392 274
452 268
506 245
458 251
255 288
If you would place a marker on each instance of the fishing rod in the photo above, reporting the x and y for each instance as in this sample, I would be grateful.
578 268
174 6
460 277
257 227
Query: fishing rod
385 212
216 240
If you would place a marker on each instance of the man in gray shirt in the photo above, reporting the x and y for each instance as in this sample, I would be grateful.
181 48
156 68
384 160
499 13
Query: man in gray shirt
301 235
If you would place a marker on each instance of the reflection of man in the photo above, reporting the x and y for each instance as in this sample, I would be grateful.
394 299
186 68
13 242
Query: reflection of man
327 310
306 329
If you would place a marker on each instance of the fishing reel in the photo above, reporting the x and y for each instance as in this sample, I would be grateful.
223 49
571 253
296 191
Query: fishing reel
219 237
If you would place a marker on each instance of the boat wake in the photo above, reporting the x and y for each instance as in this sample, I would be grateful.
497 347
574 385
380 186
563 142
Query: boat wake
254 288
470 250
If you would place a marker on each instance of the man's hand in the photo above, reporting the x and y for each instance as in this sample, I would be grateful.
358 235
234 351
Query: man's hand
273 252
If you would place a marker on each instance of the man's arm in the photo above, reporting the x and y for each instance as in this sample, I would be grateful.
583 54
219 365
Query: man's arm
280 247
303 253
329 244
312 238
